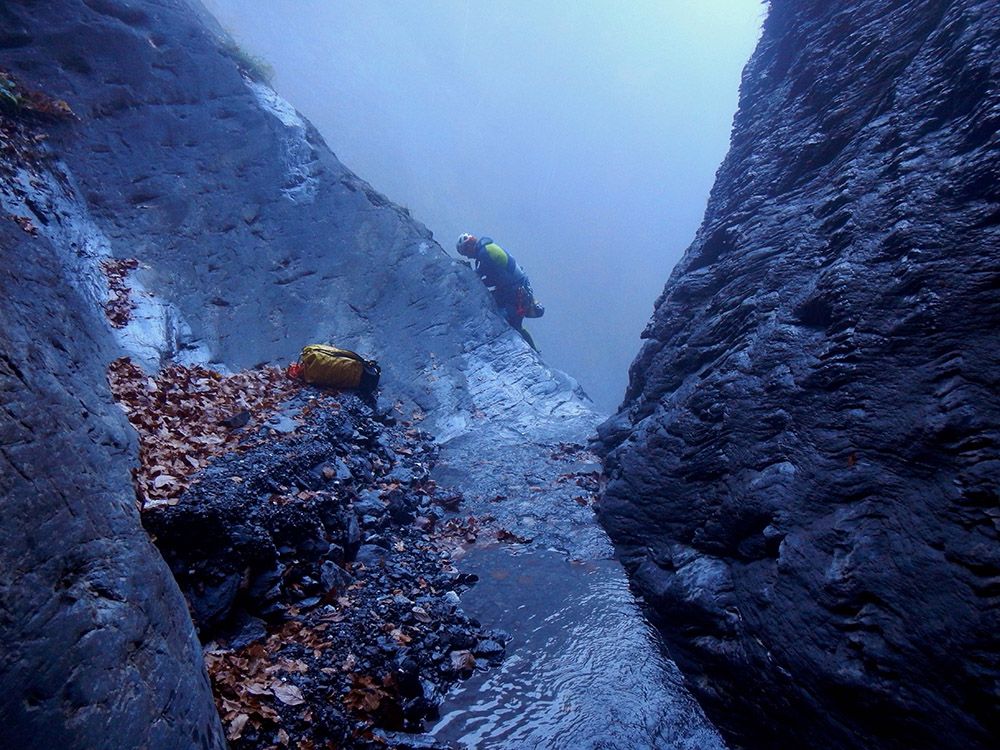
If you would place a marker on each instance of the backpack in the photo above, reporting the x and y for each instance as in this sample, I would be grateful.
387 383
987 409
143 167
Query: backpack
321 364
527 305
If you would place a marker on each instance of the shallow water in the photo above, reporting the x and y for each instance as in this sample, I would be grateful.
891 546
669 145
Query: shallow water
584 670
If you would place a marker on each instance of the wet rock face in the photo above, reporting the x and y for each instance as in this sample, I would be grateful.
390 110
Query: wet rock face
803 476
98 650
244 238
86 605
252 238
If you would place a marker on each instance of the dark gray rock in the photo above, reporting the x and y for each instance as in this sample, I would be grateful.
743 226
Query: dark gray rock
252 630
352 535
333 576
371 554
213 602
488 649
400 474
369 503
803 477
253 239
343 473
98 649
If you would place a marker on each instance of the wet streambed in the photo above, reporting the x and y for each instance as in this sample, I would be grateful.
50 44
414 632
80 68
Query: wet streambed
584 669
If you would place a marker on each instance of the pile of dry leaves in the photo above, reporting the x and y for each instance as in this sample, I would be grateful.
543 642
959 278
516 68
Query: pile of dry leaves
119 306
256 688
248 684
187 415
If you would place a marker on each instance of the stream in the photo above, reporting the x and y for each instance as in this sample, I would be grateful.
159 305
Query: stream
584 669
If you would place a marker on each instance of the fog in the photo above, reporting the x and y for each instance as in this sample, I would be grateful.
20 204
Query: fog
582 136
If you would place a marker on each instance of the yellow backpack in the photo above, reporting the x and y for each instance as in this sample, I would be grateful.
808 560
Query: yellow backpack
338 368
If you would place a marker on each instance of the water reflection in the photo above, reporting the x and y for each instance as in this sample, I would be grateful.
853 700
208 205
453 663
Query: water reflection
584 670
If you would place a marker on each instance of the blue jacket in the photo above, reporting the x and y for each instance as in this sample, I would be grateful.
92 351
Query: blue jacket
496 266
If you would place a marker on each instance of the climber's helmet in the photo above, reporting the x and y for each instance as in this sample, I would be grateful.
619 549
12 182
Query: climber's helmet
466 245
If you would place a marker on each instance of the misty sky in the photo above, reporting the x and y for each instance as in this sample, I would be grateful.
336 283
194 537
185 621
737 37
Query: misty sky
582 136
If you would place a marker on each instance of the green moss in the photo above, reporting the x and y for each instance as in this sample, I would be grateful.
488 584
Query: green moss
17 101
254 66
10 99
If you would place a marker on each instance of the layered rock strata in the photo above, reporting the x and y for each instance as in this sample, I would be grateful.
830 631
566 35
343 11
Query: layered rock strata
803 476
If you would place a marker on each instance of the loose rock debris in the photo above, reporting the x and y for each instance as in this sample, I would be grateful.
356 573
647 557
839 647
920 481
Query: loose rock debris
316 559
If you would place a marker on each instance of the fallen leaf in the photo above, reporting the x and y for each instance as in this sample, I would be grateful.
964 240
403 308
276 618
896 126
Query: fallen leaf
400 637
236 727
288 694
463 661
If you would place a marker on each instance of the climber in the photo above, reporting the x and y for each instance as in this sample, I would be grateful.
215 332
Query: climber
509 284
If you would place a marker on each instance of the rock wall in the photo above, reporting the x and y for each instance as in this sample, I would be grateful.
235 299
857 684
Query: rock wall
251 240
803 476
98 647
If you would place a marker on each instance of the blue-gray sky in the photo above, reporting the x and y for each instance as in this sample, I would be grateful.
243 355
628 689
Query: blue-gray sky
582 136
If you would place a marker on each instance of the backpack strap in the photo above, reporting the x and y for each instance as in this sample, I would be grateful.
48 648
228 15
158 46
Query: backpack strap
481 250
353 355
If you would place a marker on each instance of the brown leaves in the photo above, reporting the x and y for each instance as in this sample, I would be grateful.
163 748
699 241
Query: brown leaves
466 530
15 99
25 223
21 145
180 417
120 305
366 694
503 535
401 638
243 689
463 661
288 694
249 684
46 107
236 726
572 452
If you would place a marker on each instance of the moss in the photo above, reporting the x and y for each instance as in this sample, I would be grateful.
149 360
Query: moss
10 100
254 66
16 100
